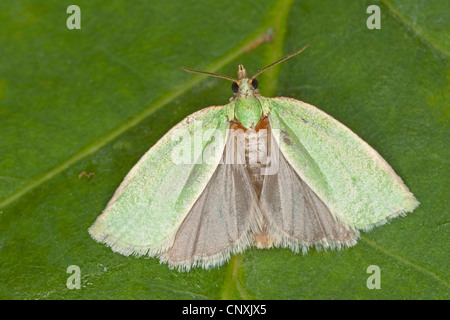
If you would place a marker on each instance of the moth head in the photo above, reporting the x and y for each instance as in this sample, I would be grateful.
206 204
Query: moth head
244 86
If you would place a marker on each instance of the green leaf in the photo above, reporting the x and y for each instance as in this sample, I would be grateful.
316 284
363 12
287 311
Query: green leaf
79 107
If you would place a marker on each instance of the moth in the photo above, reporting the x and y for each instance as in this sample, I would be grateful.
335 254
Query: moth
258 171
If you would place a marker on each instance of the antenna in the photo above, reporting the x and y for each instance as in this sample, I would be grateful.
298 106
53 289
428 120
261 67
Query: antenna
241 68
210 74
277 62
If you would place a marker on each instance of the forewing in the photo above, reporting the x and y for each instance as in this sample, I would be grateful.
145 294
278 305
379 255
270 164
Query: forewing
357 185
160 190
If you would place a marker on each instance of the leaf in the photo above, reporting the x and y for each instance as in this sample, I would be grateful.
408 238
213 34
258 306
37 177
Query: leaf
79 107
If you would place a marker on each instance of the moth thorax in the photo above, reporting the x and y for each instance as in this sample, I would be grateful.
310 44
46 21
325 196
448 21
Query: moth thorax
242 73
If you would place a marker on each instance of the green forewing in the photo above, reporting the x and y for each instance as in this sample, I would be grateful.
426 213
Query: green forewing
157 193
355 182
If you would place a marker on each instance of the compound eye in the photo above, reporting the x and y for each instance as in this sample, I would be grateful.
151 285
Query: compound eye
254 84
235 87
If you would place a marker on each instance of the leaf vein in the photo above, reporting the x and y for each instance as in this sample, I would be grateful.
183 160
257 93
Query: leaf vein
405 261
414 28
134 121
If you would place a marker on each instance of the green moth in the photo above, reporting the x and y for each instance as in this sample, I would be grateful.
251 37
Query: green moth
264 172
